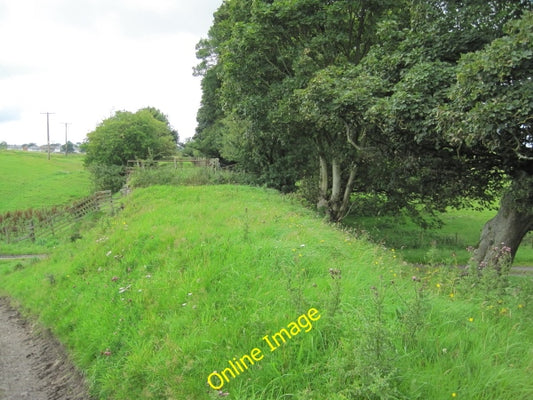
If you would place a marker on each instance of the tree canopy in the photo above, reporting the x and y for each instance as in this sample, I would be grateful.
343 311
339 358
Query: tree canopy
129 136
427 103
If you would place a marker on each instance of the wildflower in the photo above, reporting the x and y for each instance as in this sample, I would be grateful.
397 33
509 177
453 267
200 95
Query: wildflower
451 295
520 306
454 394
470 319
438 285
504 311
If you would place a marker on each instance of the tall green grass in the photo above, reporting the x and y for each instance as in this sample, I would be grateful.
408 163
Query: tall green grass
30 180
184 279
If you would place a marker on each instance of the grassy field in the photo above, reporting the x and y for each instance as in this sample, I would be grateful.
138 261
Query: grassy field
447 245
30 180
188 286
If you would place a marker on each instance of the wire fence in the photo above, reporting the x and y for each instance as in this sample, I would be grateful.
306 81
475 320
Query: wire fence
17 226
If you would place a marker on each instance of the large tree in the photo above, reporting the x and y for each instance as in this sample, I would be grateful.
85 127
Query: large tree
269 51
491 117
357 90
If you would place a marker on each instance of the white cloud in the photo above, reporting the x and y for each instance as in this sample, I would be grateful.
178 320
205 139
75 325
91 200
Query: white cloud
85 59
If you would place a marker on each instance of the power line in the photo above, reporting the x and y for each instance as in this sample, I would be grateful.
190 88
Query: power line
48 130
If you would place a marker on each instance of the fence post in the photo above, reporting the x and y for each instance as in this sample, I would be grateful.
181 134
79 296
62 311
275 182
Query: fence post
32 231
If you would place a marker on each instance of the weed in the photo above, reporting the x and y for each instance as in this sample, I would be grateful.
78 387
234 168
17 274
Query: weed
335 283
51 279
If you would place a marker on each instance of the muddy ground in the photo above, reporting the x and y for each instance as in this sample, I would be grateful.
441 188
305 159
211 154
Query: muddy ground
33 365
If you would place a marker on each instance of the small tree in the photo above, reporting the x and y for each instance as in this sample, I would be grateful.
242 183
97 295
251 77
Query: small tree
122 137
68 148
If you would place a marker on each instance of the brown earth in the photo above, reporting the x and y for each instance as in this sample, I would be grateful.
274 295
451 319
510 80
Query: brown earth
33 365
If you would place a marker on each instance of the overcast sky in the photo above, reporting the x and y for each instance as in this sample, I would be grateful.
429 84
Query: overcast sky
85 59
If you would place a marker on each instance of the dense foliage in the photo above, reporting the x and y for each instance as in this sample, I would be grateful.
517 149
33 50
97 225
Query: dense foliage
425 103
126 136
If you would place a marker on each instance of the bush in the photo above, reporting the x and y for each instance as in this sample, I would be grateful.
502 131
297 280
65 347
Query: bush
108 177
191 176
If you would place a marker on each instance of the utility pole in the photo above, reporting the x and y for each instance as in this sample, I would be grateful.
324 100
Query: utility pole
66 139
48 130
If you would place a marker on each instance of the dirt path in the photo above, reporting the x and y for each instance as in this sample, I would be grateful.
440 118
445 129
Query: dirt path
21 256
33 365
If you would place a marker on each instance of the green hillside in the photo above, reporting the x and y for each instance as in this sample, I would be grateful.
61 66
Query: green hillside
184 294
30 180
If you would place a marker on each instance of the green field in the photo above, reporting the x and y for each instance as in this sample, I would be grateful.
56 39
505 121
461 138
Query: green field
186 282
30 180
446 245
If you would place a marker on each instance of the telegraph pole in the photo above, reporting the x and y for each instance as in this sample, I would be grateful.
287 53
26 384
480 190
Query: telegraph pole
48 130
66 139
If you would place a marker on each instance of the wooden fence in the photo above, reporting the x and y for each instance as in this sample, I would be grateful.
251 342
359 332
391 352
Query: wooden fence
176 162
32 225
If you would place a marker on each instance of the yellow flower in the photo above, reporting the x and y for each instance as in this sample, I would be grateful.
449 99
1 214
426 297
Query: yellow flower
454 394
520 306
438 285
471 319
451 295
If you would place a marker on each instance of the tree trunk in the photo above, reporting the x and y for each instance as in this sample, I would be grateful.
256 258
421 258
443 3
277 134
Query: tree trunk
323 185
345 205
502 235
336 188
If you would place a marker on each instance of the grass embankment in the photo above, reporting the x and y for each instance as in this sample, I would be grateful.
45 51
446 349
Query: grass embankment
30 180
154 300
